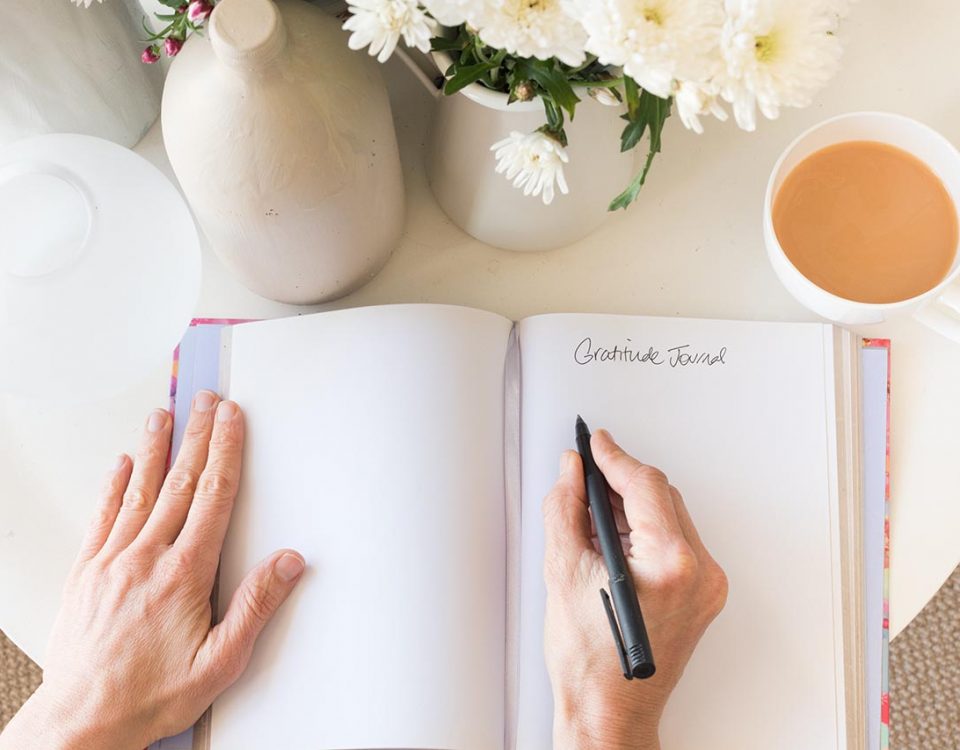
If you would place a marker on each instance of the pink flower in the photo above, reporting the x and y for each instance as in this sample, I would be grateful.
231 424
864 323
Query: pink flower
172 46
149 55
199 10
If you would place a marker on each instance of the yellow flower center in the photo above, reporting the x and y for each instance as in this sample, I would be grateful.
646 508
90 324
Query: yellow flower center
653 15
765 47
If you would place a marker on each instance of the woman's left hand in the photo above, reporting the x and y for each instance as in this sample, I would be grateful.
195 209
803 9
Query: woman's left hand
134 655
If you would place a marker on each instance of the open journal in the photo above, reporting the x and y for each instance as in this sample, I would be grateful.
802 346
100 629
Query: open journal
405 450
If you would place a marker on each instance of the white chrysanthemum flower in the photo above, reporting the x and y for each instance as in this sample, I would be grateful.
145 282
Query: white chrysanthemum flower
534 161
530 28
84 3
381 23
778 53
696 99
451 12
655 41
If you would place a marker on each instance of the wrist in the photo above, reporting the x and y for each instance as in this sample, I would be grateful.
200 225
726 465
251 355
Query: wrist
45 723
579 735
582 724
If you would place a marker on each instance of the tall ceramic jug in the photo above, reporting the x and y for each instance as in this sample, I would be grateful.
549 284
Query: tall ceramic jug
283 142
65 69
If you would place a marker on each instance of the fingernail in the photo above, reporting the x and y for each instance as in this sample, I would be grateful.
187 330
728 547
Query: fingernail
226 411
121 462
157 420
203 401
606 434
288 567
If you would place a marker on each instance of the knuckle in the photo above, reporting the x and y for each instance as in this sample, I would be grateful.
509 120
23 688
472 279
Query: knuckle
177 565
114 484
678 568
227 437
260 601
643 477
216 483
230 665
181 481
716 588
126 570
197 429
552 504
554 567
137 498
153 449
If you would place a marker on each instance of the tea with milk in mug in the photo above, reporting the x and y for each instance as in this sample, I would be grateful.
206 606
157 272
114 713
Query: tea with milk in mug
867 221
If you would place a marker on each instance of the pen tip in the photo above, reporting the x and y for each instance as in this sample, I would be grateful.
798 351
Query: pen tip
582 428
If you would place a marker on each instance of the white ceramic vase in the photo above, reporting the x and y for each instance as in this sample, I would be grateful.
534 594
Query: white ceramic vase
65 69
283 142
460 169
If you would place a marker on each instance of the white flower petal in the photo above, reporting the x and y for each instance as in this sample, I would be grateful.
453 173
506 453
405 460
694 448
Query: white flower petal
777 53
528 28
655 41
381 23
533 162
450 12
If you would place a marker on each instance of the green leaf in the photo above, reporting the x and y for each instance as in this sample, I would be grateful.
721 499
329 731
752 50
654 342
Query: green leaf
552 80
652 111
632 92
632 134
642 111
465 75
172 3
554 117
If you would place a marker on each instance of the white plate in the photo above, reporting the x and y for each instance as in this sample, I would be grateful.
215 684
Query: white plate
95 289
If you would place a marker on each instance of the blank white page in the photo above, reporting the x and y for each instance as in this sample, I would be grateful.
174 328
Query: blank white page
375 447
745 441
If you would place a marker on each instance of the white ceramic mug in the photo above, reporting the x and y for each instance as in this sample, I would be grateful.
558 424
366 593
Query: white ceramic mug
939 307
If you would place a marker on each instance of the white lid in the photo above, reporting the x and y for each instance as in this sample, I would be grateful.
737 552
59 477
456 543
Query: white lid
99 267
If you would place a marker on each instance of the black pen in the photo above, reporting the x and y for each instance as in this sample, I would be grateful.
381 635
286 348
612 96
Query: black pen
629 632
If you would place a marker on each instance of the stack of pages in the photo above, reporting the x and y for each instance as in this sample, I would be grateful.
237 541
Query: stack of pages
405 451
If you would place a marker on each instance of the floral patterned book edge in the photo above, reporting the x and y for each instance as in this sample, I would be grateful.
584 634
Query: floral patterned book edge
885 658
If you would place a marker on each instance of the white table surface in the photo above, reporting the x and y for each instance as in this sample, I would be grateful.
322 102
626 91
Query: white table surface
691 246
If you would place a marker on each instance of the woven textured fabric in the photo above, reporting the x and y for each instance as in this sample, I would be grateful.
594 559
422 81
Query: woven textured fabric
924 676
19 677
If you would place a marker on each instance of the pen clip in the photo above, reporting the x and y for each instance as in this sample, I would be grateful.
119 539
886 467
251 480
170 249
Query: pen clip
617 635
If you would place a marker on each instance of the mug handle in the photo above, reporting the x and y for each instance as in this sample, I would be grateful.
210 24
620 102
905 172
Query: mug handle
942 313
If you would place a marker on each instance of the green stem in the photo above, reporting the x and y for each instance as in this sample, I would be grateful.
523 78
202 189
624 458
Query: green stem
591 59
604 84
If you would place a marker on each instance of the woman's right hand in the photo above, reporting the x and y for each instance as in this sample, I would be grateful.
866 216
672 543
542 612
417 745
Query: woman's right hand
680 586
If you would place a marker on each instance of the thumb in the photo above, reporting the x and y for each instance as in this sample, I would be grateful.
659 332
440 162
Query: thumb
228 646
566 521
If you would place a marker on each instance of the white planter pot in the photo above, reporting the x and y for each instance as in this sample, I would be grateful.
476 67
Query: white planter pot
283 142
460 168
66 69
